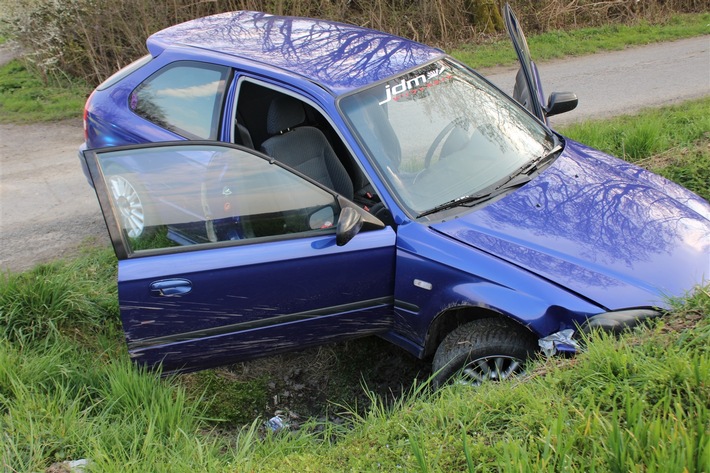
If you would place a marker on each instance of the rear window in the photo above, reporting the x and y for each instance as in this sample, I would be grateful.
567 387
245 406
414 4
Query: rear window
183 97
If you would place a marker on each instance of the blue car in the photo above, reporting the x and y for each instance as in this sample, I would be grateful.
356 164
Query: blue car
271 183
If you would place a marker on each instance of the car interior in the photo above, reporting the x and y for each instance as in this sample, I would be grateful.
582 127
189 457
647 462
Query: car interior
304 148
296 134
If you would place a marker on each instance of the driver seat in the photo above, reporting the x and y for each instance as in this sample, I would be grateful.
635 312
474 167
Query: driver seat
303 148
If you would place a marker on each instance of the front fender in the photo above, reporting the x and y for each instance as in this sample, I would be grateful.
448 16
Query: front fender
446 278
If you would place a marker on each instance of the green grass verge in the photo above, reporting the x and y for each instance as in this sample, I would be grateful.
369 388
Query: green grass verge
637 403
633 404
26 98
558 44
42 304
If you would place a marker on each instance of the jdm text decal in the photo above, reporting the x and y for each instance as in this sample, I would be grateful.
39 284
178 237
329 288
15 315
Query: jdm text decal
417 84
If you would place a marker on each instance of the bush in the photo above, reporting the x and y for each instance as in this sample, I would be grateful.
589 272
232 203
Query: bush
90 39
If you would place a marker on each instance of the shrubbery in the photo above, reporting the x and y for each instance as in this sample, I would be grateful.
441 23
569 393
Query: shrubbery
90 39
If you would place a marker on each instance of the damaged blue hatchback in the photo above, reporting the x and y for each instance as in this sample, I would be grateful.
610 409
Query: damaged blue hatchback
272 183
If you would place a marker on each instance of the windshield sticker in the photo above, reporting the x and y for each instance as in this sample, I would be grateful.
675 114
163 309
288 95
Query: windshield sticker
408 87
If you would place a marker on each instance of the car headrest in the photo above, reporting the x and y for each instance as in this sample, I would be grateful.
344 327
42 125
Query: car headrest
284 113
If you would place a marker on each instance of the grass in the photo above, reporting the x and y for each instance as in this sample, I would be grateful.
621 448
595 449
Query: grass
633 404
559 44
62 297
27 98
637 403
59 402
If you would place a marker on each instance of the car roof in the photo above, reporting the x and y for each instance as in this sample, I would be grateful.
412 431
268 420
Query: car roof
337 56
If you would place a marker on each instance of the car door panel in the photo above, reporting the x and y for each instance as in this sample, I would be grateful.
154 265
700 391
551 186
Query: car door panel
528 88
250 292
211 351
200 302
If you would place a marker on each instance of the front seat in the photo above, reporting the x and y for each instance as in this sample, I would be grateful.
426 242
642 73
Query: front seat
304 148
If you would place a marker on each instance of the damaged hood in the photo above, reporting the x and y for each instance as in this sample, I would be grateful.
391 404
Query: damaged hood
607 230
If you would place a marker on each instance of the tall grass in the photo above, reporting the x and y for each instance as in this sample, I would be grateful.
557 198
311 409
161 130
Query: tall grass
77 297
61 403
638 403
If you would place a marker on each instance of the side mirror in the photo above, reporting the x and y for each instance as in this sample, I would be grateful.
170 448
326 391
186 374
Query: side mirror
322 218
349 224
561 102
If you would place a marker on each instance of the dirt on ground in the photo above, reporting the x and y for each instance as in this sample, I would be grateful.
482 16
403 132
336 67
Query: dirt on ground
47 208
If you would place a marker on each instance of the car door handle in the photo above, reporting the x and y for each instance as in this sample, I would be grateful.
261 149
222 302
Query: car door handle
170 287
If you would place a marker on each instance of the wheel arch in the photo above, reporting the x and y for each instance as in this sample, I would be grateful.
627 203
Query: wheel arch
451 318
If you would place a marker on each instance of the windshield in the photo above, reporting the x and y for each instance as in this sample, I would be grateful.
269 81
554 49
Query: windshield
441 133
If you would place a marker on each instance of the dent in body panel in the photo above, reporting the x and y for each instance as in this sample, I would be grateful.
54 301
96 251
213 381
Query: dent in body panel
464 278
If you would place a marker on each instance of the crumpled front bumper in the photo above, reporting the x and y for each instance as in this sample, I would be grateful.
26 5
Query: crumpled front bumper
566 341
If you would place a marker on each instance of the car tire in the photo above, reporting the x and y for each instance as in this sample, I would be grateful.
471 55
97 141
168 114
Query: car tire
490 349
128 196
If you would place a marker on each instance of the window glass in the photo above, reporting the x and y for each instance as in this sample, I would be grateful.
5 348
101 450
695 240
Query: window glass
185 97
184 195
441 133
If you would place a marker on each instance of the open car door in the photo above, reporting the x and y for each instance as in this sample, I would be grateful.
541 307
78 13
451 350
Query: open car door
225 255
528 88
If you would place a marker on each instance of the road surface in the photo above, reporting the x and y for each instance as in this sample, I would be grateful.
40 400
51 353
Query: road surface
623 82
47 210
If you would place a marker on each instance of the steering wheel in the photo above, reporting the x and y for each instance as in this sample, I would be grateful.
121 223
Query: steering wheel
460 122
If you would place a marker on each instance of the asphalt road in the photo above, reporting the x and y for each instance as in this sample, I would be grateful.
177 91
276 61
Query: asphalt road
47 210
626 81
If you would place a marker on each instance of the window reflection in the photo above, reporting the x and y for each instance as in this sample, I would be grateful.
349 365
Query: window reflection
440 133
200 194
184 98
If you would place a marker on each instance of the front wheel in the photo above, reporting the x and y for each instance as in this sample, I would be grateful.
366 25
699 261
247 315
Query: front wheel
483 350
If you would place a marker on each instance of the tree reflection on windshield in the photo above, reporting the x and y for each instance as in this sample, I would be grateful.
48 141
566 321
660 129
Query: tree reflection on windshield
440 132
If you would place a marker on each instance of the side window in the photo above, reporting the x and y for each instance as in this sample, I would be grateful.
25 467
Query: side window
320 153
181 195
183 97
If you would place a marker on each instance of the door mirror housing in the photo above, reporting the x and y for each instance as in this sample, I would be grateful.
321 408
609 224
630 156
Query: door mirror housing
349 224
561 102
353 220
